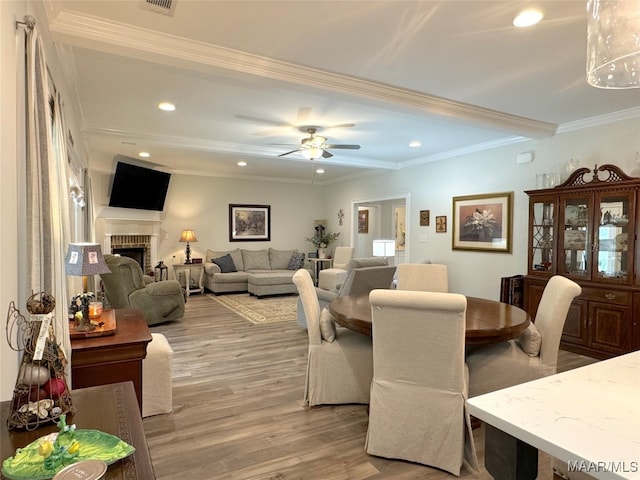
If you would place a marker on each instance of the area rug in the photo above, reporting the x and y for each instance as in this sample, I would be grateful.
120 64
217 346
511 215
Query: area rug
259 311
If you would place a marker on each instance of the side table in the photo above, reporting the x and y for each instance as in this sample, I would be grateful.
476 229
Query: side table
112 358
108 408
190 269
319 264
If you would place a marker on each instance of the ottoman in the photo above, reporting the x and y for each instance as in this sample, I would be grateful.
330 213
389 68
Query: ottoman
271 283
156 377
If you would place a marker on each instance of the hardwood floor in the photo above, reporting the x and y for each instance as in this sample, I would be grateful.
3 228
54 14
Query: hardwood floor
238 409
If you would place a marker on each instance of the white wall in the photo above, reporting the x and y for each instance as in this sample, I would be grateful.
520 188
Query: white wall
11 150
432 186
202 203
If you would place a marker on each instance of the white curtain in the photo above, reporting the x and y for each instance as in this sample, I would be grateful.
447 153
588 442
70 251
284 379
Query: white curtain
48 223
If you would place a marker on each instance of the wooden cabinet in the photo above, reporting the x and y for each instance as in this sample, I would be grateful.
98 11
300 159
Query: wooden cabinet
586 230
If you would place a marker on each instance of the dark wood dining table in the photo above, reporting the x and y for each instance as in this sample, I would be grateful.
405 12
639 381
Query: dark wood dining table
487 321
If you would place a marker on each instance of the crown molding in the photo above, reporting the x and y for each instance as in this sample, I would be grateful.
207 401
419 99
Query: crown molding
600 120
79 28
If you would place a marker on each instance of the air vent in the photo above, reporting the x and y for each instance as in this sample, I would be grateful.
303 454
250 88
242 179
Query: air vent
165 7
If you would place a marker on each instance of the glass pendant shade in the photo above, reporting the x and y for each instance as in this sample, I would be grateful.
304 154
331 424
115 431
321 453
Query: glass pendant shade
613 44
311 153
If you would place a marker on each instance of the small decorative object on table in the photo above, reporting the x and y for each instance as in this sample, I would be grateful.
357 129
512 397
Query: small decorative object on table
41 394
50 454
322 240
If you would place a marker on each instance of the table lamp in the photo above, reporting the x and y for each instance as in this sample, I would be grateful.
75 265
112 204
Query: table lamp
384 248
84 259
188 235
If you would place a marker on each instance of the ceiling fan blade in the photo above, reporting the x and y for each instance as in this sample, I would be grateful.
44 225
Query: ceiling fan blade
292 151
344 147
326 154
342 125
263 120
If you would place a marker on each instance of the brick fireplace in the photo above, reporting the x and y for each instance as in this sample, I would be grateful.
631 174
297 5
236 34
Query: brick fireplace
143 248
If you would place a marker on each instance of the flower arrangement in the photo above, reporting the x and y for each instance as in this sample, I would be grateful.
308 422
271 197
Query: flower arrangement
481 224
322 239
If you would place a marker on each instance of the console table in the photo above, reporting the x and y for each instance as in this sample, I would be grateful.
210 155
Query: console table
108 408
112 358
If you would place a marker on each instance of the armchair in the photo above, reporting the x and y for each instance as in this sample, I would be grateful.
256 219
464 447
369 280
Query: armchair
330 278
125 287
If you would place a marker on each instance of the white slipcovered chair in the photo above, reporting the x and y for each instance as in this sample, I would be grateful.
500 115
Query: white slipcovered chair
534 354
359 281
418 407
331 278
340 362
423 277
157 391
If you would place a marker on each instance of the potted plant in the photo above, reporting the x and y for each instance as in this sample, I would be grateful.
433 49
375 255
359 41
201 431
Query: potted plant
322 240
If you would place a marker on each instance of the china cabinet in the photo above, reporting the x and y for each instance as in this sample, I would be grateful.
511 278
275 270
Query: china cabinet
586 229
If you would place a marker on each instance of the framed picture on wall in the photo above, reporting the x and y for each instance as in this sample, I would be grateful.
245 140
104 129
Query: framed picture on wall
441 224
249 223
363 221
483 222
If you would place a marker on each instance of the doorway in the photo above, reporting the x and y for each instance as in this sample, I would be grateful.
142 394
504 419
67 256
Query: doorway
381 218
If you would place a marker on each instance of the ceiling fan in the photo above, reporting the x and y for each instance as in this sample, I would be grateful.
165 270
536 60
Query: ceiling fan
315 146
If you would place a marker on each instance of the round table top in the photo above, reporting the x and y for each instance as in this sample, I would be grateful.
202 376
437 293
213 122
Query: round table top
487 321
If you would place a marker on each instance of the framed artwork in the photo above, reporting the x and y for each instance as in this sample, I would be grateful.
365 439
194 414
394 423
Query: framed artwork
424 218
249 223
399 227
363 221
483 222
441 224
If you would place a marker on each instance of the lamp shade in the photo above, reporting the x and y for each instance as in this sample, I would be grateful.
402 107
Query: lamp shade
384 248
188 235
85 259
613 43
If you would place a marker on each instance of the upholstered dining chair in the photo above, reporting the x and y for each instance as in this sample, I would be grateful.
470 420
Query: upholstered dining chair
359 281
340 362
330 278
423 277
125 287
534 354
418 407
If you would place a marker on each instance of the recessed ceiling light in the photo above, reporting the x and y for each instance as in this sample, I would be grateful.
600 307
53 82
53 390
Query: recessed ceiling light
415 144
144 154
166 106
320 170
528 17
242 163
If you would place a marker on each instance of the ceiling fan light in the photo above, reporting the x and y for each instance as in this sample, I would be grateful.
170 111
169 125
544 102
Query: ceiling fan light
312 152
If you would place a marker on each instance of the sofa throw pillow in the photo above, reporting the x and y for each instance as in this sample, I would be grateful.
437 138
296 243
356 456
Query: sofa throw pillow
225 263
327 327
296 261
279 259
531 340
256 260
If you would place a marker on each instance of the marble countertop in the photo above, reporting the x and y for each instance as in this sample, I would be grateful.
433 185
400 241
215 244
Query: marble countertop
590 414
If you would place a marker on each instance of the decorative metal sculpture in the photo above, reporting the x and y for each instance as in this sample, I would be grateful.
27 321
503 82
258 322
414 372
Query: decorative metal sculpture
41 394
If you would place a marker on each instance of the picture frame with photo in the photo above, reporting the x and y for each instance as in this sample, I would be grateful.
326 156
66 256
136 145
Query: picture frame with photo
483 222
249 223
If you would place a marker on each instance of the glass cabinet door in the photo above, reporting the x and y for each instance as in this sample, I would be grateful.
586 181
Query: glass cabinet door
612 258
576 242
542 234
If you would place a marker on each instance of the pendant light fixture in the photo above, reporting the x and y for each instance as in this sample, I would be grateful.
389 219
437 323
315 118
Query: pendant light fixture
613 43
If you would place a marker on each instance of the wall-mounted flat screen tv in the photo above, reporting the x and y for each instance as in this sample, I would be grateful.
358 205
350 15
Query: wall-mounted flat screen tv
139 187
